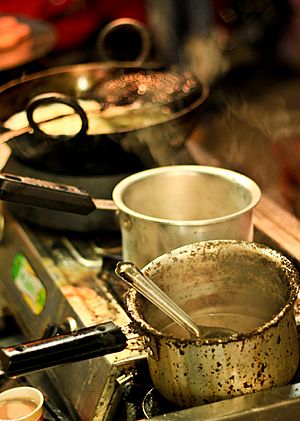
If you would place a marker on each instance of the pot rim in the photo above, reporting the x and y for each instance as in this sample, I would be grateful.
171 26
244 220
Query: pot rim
145 329
244 181
134 24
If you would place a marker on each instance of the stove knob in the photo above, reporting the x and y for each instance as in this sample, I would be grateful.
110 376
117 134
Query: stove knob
53 329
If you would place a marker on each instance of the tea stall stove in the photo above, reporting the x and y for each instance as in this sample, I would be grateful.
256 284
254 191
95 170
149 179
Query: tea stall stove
54 283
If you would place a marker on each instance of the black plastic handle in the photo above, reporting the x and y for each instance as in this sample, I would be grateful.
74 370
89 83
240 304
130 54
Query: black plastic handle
90 342
45 194
54 98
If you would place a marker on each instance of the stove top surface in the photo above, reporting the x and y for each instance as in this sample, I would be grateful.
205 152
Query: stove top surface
78 273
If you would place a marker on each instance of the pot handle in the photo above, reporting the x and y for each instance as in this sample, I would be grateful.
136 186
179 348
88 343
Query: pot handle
45 194
54 98
90 342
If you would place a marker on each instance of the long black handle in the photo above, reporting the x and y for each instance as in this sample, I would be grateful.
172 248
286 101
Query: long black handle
90 342
45 194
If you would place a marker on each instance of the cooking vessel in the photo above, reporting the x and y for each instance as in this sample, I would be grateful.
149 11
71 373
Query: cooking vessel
241 285
124 39
98 185
246 286
135 278
152 141
157 209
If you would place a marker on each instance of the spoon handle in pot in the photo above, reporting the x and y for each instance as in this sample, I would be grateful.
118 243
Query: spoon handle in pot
145 286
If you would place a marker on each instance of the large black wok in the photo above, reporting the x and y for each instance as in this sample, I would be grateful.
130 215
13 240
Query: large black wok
83 153
92 162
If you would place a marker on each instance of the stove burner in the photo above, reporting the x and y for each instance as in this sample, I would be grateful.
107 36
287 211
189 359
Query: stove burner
154 404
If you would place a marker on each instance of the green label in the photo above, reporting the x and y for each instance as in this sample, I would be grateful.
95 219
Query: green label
29 285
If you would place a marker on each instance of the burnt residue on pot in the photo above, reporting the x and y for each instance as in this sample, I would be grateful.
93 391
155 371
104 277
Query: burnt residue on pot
255 284
158 269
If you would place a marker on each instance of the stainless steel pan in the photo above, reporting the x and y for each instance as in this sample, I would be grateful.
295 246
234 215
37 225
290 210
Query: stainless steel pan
157 209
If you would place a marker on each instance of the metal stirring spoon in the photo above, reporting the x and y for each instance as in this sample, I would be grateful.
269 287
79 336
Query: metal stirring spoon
129 273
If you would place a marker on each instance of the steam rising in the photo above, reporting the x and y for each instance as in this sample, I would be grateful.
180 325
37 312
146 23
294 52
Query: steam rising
260 139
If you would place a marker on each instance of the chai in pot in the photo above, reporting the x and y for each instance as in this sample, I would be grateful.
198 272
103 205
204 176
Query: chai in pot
239 285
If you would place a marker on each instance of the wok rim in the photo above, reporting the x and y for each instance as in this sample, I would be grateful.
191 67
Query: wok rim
108 66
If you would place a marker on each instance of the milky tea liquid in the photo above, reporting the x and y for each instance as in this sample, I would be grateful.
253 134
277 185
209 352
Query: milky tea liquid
15 408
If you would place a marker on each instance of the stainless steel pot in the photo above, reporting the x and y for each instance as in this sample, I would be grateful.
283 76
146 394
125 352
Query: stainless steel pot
164 208
158 209
244 286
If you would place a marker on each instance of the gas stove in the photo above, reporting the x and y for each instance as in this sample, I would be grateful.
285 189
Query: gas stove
53 279
48 283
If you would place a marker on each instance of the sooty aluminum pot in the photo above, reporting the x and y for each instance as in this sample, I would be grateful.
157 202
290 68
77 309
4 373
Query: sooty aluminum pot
241 285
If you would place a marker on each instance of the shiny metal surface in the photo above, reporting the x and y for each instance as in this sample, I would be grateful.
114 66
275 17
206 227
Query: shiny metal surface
280 404
164 208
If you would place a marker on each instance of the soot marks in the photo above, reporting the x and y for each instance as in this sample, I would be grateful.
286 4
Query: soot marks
219 367
278 339
169 345
263 367
261 371
200 367
262 382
